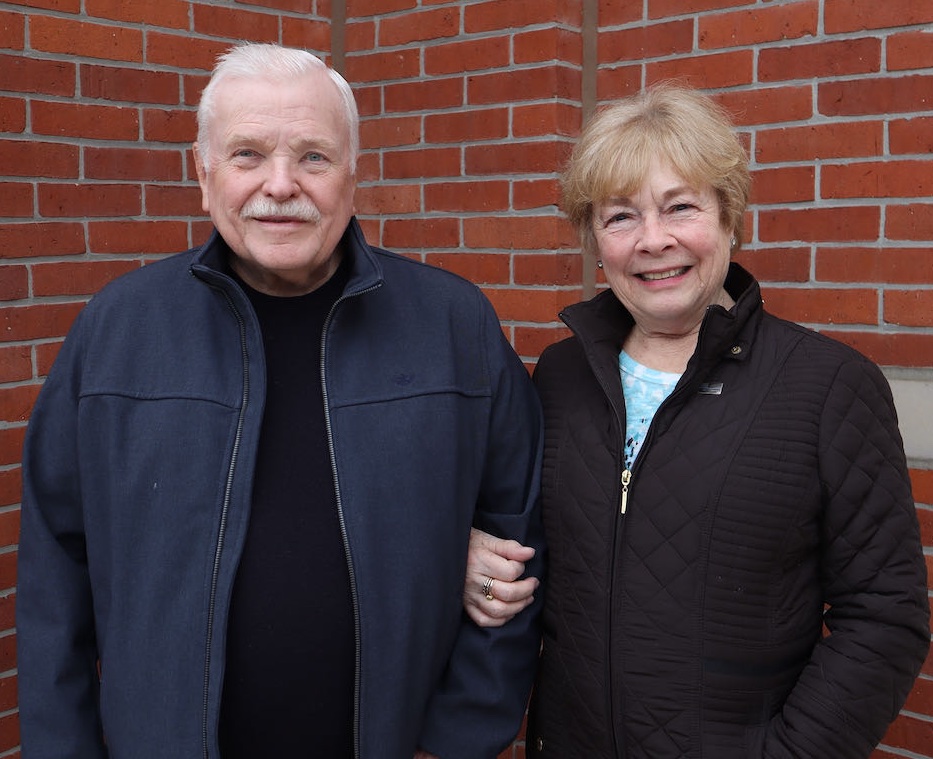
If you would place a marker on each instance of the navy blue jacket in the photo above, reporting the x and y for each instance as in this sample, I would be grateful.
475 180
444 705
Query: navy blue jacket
137 478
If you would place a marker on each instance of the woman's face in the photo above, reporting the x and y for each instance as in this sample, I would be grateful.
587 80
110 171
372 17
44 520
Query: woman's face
664 251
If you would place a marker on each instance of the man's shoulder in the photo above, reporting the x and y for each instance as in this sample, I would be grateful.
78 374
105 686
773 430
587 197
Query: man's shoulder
153 276
397 267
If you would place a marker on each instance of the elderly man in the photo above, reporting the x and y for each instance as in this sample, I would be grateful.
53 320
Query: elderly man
251 476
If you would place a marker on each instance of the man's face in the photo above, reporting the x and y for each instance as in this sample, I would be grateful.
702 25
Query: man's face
278 186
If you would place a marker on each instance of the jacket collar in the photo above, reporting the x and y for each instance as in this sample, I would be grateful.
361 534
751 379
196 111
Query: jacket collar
210 261
602 323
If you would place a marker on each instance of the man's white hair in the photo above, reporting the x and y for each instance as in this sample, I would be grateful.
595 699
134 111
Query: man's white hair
255 60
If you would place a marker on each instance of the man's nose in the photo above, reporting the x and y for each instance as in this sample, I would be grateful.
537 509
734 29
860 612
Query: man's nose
281 182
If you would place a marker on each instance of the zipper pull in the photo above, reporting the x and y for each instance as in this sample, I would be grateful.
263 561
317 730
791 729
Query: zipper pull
626 479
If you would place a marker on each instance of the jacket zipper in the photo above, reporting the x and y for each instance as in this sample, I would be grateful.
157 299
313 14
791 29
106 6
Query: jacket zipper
626 480
221 532
354 595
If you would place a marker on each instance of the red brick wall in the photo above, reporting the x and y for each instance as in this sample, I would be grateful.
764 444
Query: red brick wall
469 109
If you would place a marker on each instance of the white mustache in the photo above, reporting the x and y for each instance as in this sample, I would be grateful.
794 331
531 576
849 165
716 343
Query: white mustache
264 208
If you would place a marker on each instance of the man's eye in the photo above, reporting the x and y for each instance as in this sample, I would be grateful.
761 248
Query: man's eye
314 157
245 153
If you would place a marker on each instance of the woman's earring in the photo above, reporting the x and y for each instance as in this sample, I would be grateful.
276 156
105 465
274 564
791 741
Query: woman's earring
599 263
732 243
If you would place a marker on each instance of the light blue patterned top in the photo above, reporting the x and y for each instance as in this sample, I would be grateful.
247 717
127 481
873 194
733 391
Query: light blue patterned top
645 390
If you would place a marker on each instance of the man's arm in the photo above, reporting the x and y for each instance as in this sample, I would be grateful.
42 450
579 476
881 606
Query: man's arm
56 645
478 707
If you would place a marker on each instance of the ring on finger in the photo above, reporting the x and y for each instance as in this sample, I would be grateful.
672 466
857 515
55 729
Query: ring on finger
487 588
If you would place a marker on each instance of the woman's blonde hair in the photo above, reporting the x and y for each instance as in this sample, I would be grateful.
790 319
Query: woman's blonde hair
668 122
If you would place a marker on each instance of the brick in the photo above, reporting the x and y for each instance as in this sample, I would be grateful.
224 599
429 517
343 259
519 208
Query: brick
909 733
920 698
377 67
388 199
430 233
295 6
132 163
839 139
38 322
8 690
183 51
166 13
820 61
517 157
540 306
467 125
460 197
814 305
613 13
15 366
425 162
823 224
770 105
7 572
794 184
515 14
12 115
551 44
95 122
192 86
360 36
424 95
169 126
129 85
545 119
168 200
783 21
137 236
908 308
369 101
62 35
16 199
419 27
711 71
642 42
369 167
517 233
480 268
38 159
382 133
41 239
470 55
890 348
16 402
617 81
14 282
18 74
922 483
11 438
11 487
911 135
77 277
65 6
13 30
909 222
877 179
879 95
910 50
662 8
882 265
548 269
306 33
235 24
535 193
776 264
9 531
531 341
46 354
524 84
360 8
86 199
840 16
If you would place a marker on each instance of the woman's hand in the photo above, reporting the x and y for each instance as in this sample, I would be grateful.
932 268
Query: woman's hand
493 568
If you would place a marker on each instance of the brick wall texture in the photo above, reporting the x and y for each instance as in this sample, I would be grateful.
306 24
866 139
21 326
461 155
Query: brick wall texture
469 108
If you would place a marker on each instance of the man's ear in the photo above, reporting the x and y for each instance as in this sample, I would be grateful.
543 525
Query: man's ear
202 176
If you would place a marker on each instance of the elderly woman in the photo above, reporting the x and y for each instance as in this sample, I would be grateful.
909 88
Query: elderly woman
735 563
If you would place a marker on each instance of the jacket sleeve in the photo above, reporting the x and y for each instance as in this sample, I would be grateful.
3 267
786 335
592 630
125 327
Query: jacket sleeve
873 578
56 646
478 708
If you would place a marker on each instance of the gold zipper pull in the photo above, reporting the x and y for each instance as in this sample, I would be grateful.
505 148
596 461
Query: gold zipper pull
626 479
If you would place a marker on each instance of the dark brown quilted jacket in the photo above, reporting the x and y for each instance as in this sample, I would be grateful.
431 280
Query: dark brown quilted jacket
772 485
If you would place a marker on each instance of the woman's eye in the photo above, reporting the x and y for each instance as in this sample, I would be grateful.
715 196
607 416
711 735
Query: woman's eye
681 207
